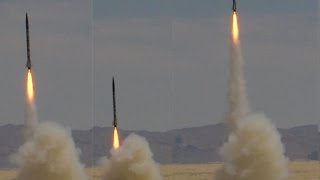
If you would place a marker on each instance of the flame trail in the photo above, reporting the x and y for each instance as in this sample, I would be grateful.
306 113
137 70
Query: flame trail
32 119
116 143
254 149
30 90
235 28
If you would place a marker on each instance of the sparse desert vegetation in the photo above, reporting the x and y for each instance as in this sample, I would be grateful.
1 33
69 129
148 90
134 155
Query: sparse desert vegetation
300 170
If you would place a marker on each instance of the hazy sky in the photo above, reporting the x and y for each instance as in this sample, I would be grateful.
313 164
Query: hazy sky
61 53
169 58
170 61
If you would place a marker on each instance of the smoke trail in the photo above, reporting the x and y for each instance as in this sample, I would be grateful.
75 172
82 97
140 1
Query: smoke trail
132 161
237 95
31 120
49 154
254 149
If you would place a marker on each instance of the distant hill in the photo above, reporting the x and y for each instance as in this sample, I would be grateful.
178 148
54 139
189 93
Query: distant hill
188 145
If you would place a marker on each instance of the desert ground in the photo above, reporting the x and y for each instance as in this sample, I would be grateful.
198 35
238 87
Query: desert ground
300 170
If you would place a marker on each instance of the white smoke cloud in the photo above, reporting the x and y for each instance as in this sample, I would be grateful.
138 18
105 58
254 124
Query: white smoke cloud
49 154
253 151
132 161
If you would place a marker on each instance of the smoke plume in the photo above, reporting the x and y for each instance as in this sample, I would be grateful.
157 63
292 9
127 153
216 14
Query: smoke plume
31 120
254 150
49 154
133 160
237 94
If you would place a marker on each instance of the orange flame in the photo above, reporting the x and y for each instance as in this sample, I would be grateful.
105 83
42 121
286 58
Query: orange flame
116 143
30 91
235 28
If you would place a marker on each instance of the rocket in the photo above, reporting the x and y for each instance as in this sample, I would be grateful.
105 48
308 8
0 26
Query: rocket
234 6
28 64
114 123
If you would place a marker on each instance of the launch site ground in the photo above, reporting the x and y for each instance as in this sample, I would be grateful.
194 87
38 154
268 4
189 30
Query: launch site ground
300 170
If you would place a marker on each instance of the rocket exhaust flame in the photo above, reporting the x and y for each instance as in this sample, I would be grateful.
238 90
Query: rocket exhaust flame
32 117
116 143
235 28
31 120
30 90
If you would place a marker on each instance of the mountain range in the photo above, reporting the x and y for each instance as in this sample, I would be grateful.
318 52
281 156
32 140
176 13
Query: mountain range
187 145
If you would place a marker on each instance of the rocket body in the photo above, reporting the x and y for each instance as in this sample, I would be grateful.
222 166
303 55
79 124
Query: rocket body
28 64
115 122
